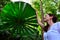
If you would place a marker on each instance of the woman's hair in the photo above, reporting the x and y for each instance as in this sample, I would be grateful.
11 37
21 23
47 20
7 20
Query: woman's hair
54 19
46 27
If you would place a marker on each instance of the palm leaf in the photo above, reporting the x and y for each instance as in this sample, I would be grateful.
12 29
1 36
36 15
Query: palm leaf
19 18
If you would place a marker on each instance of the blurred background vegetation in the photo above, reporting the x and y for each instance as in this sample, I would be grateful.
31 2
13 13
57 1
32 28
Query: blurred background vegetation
49 6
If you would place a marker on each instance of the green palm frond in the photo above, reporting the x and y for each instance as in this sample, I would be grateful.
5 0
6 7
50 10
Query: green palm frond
19 18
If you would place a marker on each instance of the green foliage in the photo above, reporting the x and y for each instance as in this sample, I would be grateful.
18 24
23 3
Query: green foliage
19 19
49 6
3 3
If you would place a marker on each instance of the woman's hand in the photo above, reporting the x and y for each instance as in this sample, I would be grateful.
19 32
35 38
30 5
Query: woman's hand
38 20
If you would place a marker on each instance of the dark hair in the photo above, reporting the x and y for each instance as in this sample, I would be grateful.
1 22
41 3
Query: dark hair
54 19
46 27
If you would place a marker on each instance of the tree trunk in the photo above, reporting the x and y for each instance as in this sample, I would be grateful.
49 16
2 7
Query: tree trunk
42 16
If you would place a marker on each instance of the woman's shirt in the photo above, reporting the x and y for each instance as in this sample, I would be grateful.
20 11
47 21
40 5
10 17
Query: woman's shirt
54 32
45 35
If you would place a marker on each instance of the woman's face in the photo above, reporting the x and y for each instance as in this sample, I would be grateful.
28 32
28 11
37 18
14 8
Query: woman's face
47 17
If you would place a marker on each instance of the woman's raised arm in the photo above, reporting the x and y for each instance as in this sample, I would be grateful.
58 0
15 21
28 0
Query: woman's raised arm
39 21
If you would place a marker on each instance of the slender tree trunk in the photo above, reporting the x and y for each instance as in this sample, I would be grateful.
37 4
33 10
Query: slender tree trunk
42 16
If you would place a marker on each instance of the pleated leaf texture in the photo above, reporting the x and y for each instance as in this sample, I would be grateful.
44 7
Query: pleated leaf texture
18 18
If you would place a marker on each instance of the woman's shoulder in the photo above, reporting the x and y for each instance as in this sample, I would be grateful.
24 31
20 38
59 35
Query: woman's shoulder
55 26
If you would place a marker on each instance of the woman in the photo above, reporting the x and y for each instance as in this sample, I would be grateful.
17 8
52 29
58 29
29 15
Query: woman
47 27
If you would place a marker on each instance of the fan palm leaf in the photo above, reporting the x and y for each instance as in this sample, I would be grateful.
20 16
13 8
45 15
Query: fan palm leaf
19 18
